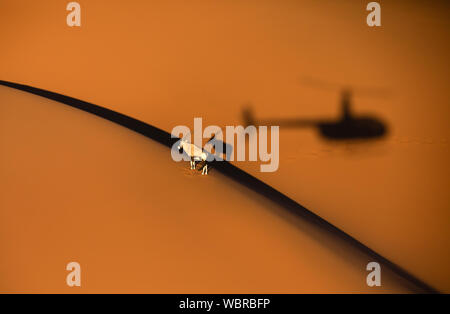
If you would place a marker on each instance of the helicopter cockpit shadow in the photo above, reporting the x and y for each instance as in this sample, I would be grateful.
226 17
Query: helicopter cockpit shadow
347 126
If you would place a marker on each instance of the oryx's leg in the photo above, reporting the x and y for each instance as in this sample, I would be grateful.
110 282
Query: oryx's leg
205 169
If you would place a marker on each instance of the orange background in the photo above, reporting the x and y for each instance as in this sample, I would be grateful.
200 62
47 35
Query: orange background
153 226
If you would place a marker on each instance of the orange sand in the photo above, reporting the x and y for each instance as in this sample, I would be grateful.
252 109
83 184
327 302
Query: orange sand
168 62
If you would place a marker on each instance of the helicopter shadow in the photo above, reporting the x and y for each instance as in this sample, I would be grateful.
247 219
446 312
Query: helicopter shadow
347 126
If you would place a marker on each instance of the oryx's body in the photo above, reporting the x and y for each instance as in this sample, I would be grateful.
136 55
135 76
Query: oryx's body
196 153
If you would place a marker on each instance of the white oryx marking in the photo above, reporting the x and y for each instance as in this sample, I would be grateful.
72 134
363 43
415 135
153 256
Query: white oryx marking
196 153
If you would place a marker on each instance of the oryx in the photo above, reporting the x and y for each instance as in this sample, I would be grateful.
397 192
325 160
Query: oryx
196 153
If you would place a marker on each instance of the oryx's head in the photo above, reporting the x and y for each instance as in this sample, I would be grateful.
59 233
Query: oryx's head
183 141
180 144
